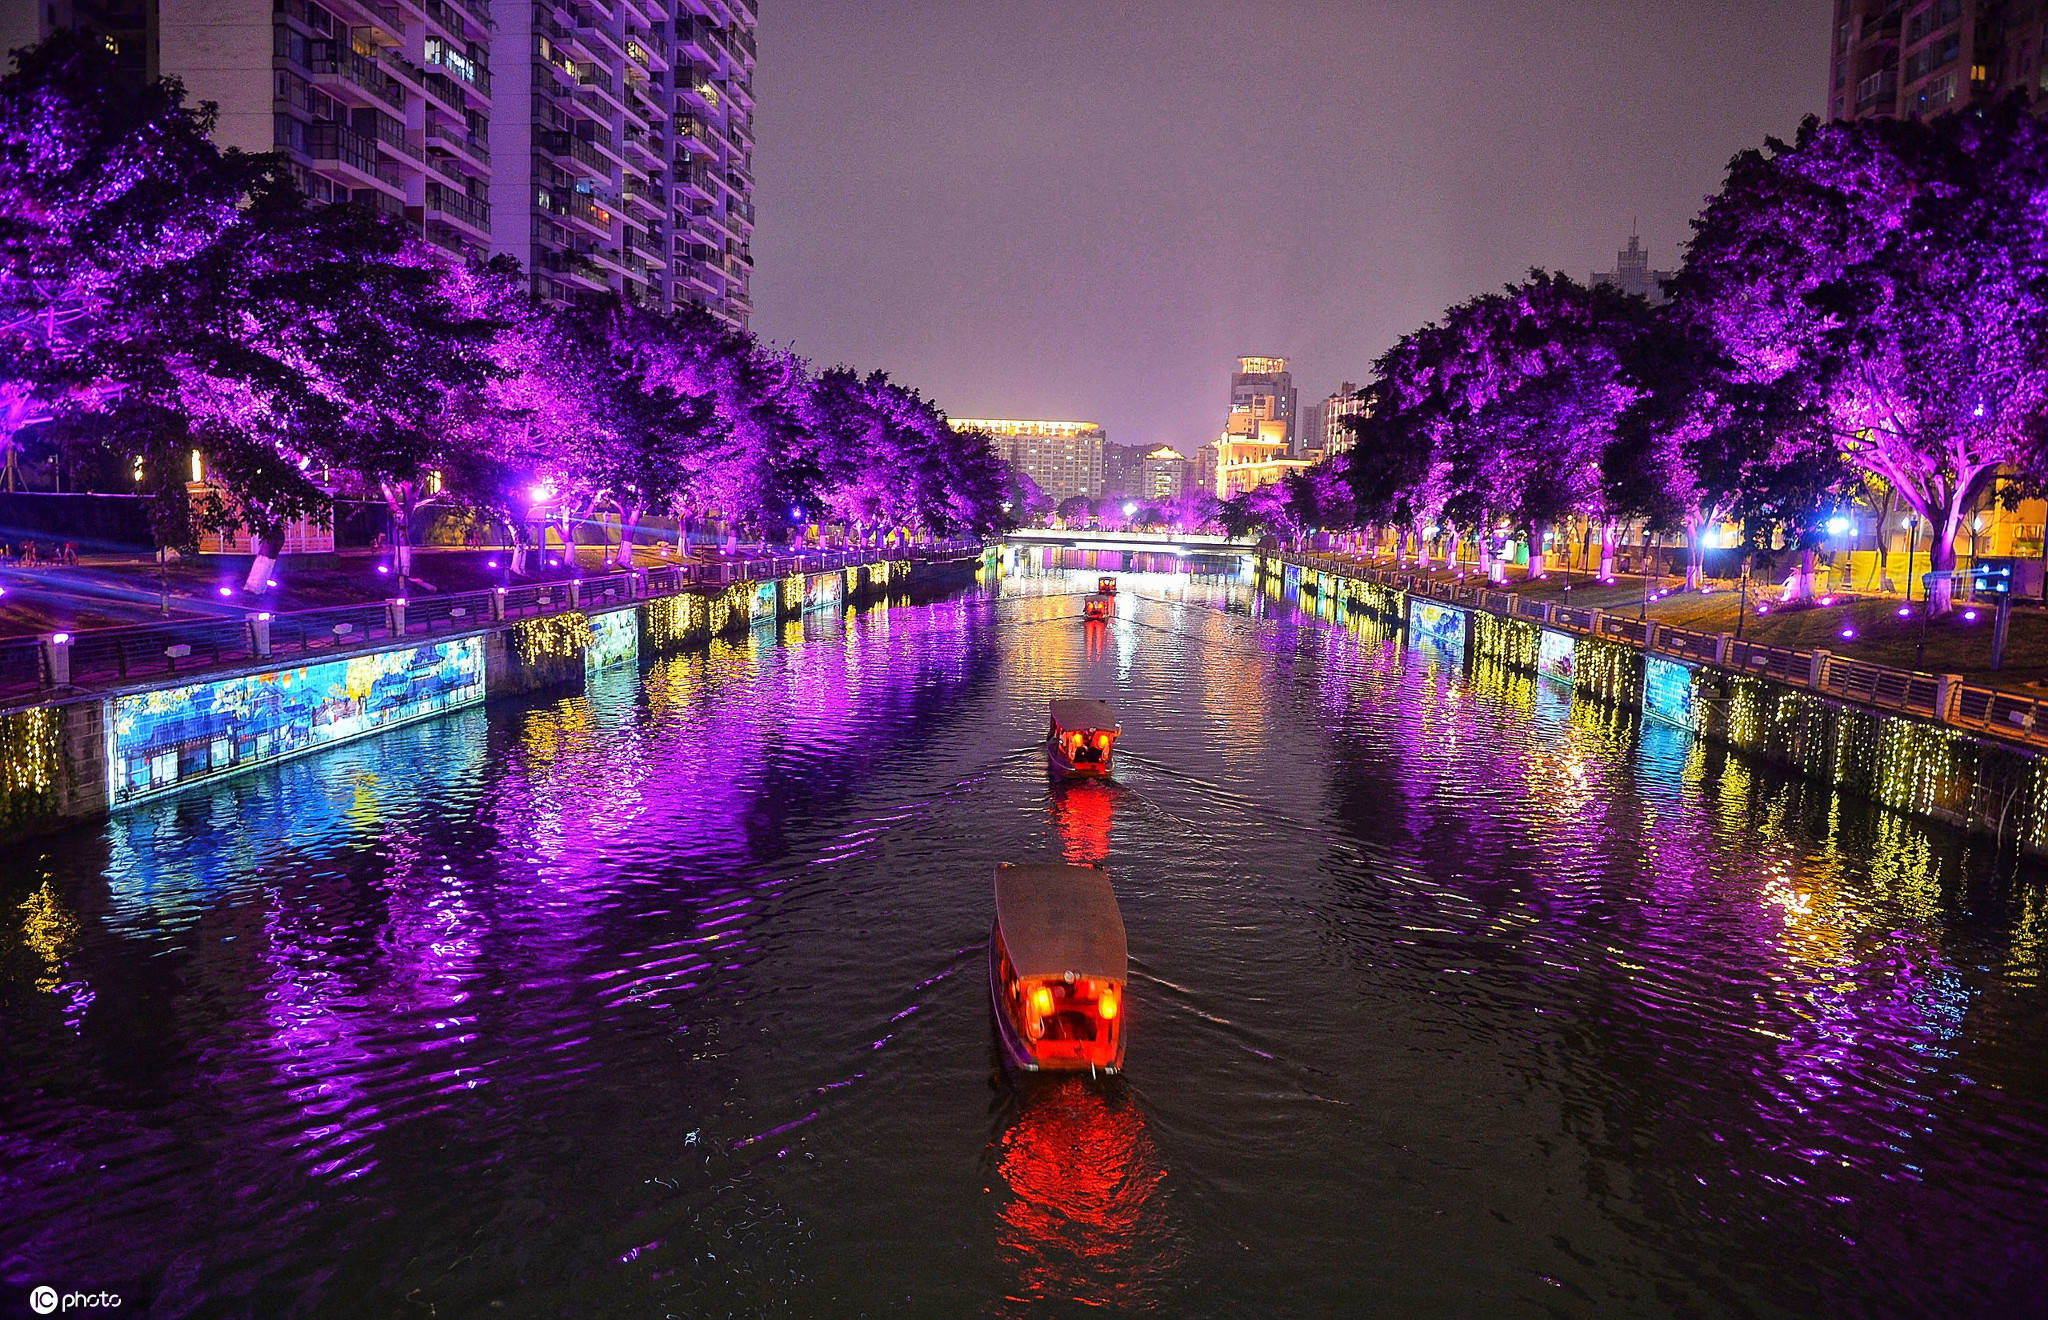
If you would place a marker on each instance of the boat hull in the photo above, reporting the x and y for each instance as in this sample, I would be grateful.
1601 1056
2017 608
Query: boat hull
1016 1050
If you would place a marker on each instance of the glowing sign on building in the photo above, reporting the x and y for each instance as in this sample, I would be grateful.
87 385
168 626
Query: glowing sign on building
158 741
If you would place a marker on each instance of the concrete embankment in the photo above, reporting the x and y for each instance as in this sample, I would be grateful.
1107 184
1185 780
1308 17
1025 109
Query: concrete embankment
79 755
1901 746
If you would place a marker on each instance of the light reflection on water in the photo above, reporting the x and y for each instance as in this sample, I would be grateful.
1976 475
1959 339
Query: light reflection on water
1449 993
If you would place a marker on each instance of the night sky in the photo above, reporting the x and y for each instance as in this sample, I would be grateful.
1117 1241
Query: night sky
1053 208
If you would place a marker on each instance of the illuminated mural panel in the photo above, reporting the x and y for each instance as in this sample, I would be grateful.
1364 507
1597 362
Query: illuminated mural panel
764 601
1440 626
157 741
1667 691
1557 656
823 591
614 640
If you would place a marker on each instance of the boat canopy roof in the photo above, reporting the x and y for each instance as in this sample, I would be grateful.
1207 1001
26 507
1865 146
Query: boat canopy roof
1060 919
1074 714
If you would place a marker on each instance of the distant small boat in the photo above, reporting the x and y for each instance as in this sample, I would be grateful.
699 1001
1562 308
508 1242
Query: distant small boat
1081 737
1095 609
1057 967
1106 585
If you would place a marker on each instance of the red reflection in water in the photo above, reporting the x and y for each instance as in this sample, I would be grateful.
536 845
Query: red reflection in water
1082 812
1085 1220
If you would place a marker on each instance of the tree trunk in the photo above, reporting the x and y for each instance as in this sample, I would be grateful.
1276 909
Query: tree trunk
1607 533
1539 558
629 519
400 499
1799 587
266 544
1941 564
1695 554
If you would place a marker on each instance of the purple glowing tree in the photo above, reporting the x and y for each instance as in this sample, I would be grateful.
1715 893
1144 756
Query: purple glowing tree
1897 273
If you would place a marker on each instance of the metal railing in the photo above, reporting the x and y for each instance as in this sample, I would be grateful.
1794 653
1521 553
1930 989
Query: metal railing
2008 715
109 656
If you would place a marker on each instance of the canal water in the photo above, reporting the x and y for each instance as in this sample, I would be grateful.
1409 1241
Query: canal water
1448 996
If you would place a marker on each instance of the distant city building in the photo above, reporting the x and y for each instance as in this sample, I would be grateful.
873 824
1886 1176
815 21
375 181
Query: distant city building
605 143
1256 447
1162 475
1323 429
1264 386
1065 459
1911 60
1632 273
1120 468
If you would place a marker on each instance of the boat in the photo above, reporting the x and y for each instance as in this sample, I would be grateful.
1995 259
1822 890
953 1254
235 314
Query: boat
1106 585
1095 609
1081 737
1057 967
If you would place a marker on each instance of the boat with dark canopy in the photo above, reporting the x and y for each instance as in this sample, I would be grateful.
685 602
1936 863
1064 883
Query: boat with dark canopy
1057 967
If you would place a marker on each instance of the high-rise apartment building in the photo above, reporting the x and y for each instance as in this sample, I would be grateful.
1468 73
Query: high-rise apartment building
386 104
1323 431
606 144
629 168
1913 58
1064 459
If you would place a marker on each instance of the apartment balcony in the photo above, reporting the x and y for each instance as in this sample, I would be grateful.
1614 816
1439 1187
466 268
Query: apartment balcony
391 135
454 95
459 209
1880 91
567 146
643 150
693 37
346 156
458 245
352 76
693 181
383 203
588 217
446 21
446 135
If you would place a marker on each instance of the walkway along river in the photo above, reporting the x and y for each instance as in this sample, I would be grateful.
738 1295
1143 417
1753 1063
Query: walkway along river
1448 996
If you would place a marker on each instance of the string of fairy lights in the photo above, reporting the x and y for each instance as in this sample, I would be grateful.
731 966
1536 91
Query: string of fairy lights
31 743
